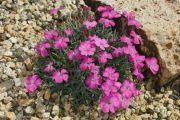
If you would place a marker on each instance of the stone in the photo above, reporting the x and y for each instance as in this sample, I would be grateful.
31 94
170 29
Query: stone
55 110
29 110
29 64
18 82
143 109
3 95
67 118
11 115
1 29
67 106
25 102
6 85
47 94
10 64
8 53
46 115
40 108
13 40
35 118
160 31
7 44
178 102
11 73
2 115
128 112
145 116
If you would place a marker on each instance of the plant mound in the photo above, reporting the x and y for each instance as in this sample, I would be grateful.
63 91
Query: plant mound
86 58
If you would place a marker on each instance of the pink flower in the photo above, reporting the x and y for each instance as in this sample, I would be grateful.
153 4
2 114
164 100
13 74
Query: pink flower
118 52
69 31
111 74
109 103
51 34
137 60
111 14
61 42
104 8
128 88
126 39
110 87
42 49
54 11
49 67
75 54
90 25
107 22
94 68
136 38
85 8
93 81
152 63
124 102
130 50
86 63
32 83
104 56
86 48
137 72
131 19
102 43
60 76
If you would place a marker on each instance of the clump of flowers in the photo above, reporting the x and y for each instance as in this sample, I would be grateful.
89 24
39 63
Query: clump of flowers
88 60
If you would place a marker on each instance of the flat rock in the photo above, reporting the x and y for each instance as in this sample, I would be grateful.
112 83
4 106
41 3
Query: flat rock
160 20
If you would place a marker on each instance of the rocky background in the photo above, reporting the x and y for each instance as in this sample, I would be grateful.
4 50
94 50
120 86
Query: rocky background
22 23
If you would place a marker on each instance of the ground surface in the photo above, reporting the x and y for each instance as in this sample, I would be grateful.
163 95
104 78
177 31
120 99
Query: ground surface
21 26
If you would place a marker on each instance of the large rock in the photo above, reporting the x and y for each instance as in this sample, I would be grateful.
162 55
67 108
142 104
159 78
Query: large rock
161 23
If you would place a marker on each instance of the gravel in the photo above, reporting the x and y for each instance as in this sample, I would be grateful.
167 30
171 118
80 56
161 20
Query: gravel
21 26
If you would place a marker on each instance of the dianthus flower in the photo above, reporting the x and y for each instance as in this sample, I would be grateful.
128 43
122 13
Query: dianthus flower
104 8
54 11
61 42
102 43
75 55
128 88
130 50
69 31
94 68
152 63
131 19
138 72
136 38
90 25
42 49
126 39
60 76
87 49
137 60
111 14
93 81
111 74
85 63
49 67
32 83
107 23
51 34
123 101
104 56
118 52
109 103
110 87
